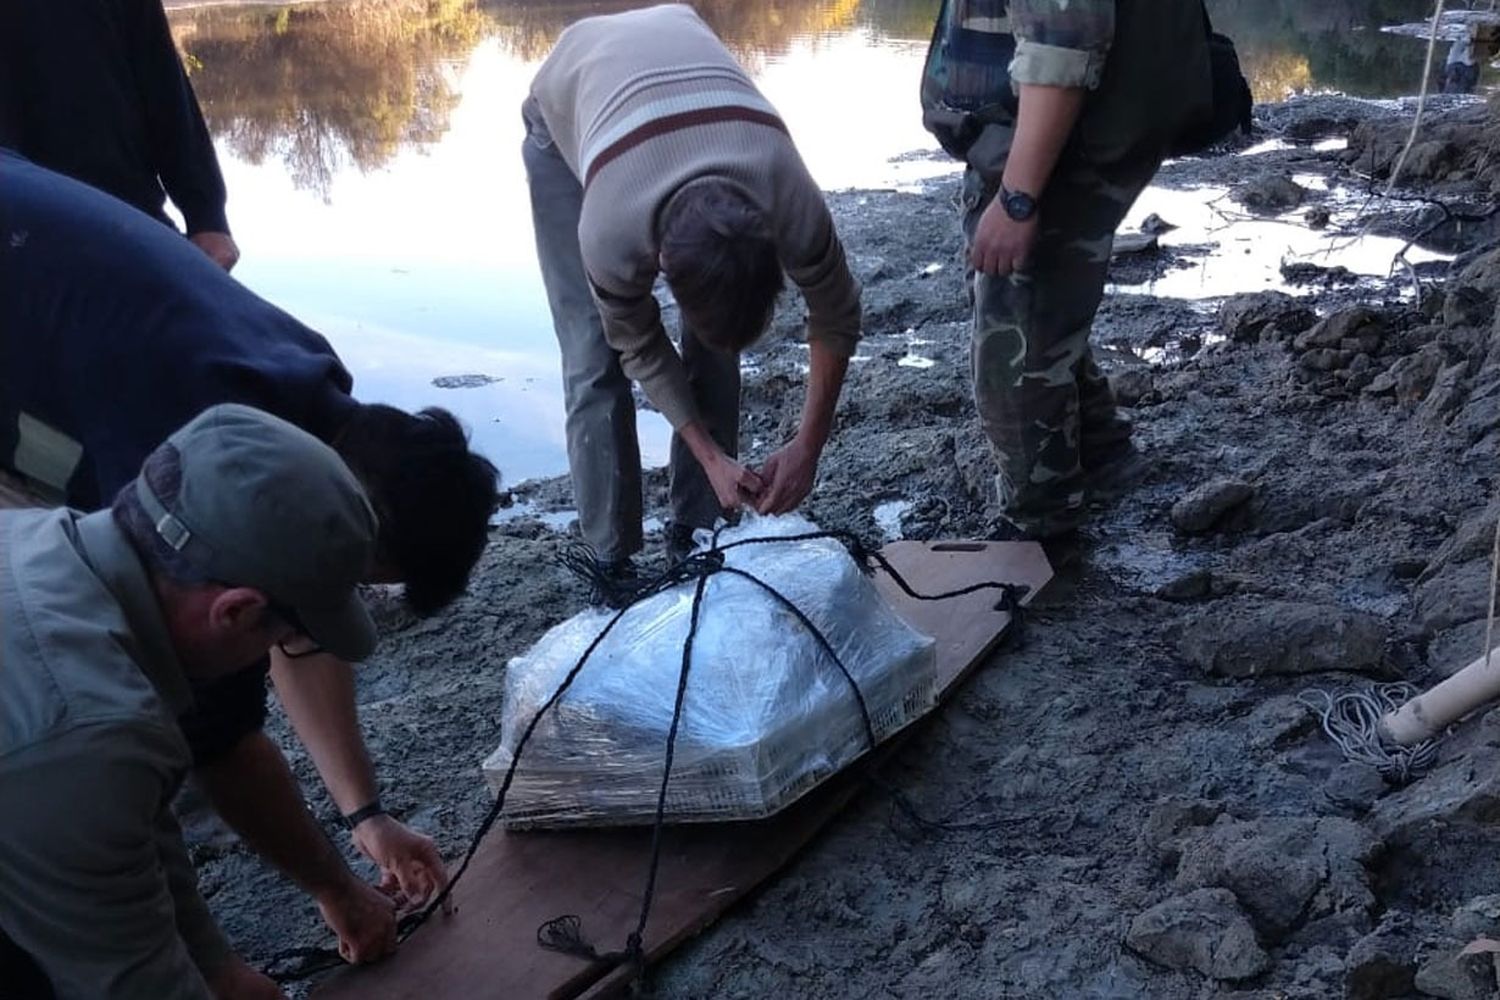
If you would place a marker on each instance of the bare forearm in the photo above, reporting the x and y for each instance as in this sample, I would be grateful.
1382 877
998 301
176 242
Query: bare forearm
825 381
704 448
257 794
317 693
1045 120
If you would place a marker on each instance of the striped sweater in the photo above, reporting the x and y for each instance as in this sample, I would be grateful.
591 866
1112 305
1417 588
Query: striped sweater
641 103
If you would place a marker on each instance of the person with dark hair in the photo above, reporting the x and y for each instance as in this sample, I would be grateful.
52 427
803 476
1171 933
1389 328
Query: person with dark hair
97 91
650 152
112 333
240 533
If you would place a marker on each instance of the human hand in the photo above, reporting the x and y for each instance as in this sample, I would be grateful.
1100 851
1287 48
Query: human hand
788 474
733 484
220 248
1001 244
235 980
363 918
410 866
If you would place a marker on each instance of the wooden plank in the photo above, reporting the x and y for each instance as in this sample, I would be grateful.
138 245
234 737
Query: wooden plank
519 880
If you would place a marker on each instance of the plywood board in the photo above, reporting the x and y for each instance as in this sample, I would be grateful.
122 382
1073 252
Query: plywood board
519 880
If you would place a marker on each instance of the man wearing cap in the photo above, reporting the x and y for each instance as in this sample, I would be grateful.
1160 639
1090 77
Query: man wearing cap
240 533
113 333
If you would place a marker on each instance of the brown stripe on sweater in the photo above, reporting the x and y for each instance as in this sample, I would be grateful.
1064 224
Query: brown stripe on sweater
674 123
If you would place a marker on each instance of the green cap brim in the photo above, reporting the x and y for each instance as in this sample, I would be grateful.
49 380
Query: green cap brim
346 630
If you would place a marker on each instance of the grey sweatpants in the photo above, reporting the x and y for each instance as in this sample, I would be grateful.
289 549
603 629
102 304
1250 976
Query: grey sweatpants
603 452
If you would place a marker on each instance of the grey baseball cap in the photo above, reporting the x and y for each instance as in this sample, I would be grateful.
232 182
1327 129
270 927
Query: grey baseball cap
264 504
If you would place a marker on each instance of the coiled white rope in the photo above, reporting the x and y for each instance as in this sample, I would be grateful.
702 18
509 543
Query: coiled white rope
1352 722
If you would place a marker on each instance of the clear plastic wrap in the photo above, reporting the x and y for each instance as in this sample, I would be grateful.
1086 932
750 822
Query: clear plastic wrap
767 714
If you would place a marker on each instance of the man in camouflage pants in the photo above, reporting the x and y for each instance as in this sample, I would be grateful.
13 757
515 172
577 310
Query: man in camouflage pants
1062 111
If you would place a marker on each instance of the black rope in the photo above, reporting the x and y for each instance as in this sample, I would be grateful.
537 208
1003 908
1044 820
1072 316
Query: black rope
564 933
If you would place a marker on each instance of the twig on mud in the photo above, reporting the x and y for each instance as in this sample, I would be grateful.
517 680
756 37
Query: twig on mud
1416 122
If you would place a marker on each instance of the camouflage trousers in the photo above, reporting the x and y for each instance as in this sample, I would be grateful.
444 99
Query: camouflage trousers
1044 404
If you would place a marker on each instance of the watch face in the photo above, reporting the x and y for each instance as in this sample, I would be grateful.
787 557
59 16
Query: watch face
1020 206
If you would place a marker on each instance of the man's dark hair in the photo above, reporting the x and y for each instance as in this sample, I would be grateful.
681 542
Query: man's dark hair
434 496
720 260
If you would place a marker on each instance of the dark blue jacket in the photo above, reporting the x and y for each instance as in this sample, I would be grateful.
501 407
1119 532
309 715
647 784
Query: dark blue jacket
94 89
115 331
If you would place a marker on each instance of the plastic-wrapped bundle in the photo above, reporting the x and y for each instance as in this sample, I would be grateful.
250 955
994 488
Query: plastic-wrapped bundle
767 714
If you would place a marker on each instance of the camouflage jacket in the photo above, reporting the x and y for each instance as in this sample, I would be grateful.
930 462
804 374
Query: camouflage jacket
983 50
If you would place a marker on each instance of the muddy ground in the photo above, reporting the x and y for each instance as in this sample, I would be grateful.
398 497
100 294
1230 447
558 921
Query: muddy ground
1315 517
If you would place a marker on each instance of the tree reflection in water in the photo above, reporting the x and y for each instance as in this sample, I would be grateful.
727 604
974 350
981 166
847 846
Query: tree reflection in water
320 86
323 86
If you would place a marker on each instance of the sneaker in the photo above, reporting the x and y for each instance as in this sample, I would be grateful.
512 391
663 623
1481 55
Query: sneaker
1120 471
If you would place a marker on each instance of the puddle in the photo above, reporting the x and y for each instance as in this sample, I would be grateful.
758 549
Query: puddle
556 520
1248 251
1269 146
888 518
559 521
915 361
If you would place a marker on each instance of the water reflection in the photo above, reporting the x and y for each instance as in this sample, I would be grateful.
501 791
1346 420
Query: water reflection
322 86
1295 46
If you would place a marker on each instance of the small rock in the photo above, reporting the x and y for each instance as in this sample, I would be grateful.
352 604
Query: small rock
1383 963
1359 323
1246 637
1156 225
1413 375
1196 513
1462 792
1169 818
1243 318
1280 722
1465 305
1446 395
1317 217
1193 585
1455 648
1431 159
1302 272
1479 917
464 381
1131 385
1270 194
1452 975
1382 384
1325 359
1285 871
1205 931
1355 787
1456 594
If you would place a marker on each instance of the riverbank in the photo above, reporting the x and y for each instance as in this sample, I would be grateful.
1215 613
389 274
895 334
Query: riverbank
1324 453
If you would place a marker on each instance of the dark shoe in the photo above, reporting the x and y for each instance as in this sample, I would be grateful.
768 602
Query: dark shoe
1120 471
679 541
616 584
1063 550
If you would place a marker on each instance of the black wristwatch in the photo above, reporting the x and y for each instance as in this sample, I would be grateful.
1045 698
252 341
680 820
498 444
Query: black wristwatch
358 816
1017 204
